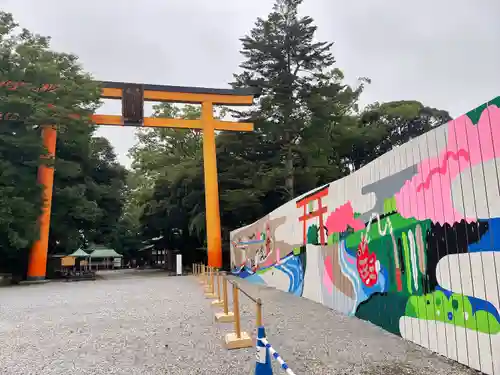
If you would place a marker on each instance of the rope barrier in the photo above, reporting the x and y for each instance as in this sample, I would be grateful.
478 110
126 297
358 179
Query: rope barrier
276 356
238 339
255 300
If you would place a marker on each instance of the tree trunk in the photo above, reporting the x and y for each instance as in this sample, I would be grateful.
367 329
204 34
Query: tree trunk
289 168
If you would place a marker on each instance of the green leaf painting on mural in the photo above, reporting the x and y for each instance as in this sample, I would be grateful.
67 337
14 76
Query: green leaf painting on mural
312 235
261 271
333 238
455 310
407 259
396 221
390 205
476 113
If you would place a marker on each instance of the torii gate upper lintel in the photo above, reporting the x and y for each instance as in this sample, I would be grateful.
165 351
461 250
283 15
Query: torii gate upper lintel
133 96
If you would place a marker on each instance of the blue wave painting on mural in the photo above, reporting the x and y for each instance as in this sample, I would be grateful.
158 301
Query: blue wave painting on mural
242 272
292 267
490 241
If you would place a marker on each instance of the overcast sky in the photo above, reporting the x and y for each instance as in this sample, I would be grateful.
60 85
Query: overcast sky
444 53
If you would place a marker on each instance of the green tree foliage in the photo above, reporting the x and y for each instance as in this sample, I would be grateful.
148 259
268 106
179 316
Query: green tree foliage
309 130
88 191
41 87
383 126
168 195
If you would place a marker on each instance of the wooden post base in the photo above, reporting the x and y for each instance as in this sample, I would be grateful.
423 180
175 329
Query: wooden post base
218 303
232 341
223 318
211 295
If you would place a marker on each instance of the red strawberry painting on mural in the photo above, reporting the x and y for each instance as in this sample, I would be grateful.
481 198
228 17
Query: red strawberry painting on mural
366 264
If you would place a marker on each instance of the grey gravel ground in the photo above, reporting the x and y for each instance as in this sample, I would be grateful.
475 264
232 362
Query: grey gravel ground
142 322
314 339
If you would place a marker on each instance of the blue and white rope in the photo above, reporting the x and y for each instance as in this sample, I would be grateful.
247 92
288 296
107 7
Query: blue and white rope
277 357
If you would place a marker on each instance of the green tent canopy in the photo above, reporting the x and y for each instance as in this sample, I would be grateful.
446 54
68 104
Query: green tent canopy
79 254
102 252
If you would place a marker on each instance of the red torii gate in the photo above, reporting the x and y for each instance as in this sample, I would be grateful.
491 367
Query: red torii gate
303 202
133 96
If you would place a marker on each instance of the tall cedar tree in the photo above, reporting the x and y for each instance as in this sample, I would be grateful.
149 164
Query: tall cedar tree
288 66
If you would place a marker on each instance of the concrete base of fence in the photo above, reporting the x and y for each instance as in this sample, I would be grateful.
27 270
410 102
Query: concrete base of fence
218 303
232 341
211 295
224 318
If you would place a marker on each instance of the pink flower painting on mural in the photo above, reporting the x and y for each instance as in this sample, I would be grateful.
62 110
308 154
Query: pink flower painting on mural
341 218
428 194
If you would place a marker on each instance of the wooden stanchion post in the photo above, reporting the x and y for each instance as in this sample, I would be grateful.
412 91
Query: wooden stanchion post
226 316
236 308
208 287
237 339
258 313
210 292
212 283
207 279
218 285
226 299
218 302
202 274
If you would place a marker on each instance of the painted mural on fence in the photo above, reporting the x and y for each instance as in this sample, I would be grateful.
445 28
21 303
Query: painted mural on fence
410 242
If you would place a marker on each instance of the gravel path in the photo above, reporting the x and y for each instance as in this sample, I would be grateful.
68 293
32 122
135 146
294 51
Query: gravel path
146 323
142 323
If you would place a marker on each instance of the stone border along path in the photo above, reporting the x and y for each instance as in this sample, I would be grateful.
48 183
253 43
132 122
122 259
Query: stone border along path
142 322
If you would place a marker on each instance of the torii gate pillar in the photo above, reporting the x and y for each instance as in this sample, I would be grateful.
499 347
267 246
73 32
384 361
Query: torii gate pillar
214 241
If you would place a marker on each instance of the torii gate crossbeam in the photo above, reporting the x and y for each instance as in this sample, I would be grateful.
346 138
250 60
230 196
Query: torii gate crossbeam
133 97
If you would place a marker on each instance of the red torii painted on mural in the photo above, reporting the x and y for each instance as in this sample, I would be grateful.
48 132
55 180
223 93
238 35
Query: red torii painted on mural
303 202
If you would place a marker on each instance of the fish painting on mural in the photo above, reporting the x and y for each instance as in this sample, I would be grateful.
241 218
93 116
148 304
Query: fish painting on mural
366 264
